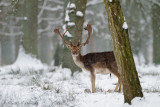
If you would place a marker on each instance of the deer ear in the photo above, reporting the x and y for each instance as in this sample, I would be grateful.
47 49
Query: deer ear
78 43
68 46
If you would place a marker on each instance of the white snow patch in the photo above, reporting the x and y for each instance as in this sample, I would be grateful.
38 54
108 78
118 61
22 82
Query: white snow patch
24 64
67 16
70 23
25 18
125 26
124 19
72 6
67 33
79 13
60 89
67 19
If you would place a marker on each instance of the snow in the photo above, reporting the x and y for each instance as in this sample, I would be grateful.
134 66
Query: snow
67 16
25 18
94 2
71 23
24 64
125 26
79 13
30 83
72 6
67 19
67 33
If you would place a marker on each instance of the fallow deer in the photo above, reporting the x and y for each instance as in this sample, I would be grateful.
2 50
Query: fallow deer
102 62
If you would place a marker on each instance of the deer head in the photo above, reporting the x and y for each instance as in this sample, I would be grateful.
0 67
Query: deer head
75 49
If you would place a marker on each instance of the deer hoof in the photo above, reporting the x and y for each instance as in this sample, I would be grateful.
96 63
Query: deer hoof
93 91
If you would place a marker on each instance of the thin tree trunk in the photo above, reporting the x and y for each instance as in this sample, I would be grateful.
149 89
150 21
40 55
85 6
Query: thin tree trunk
30 26
0 51
75 31
156 33
58 55
122 51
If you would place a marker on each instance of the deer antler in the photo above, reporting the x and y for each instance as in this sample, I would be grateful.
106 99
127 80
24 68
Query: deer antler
62 36
89 29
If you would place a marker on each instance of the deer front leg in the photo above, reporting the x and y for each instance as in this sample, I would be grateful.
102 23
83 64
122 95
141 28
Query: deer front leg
93 82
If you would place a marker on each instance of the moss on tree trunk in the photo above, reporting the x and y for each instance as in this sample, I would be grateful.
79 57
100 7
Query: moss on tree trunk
30 26
122 51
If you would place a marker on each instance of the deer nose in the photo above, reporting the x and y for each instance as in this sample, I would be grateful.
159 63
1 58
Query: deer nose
74 53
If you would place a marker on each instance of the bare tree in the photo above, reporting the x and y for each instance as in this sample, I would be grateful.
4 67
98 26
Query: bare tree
122 51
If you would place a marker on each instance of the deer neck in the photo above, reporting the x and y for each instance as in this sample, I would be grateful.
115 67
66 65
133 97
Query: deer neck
78 60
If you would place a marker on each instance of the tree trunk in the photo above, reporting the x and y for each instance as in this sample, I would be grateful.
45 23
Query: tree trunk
156 34
30 26
0 51
76 31
58 55
122 51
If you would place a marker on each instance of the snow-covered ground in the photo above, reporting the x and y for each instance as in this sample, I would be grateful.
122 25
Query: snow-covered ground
29 83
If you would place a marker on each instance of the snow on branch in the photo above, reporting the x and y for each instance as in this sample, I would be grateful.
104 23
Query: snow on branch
71 24
52 9
79 13
67 19
125 26
94 2
11 34
57 1
156 2
4 4
72 6
67 33
42 9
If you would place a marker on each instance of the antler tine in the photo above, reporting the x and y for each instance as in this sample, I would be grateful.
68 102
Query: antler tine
62 36
66 30
89 29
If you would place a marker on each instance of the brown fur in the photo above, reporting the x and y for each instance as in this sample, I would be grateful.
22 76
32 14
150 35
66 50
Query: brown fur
100 61
103 62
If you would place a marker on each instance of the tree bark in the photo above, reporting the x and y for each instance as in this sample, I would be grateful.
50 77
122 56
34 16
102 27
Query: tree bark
0 51
58 55
156 34
30 26
122 51
75 31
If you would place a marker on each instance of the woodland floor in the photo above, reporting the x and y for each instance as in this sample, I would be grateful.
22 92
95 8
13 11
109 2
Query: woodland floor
29 83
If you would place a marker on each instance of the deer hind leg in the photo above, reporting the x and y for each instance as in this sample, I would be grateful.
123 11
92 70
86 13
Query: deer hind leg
119 80
118 85
93 77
